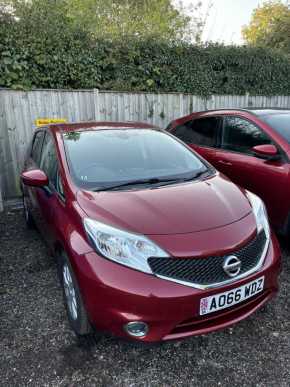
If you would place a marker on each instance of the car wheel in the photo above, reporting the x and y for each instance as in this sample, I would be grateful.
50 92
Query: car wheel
76 311
27 215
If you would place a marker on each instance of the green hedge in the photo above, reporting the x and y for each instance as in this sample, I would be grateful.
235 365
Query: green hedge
71 59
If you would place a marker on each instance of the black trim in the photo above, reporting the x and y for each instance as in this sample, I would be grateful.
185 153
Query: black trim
284 230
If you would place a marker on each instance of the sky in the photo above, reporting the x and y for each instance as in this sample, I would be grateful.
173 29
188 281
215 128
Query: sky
226 19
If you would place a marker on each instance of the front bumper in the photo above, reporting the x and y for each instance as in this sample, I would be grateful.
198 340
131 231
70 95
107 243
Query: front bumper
115 295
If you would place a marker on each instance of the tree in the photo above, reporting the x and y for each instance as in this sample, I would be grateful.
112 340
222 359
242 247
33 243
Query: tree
122 19
114 19
270 26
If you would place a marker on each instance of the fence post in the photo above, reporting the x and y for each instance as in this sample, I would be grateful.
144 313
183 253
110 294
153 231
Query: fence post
96 104
181 106
212 102
247 99
1 199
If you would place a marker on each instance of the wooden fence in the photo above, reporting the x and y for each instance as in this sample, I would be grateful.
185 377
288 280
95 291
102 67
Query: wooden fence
19 109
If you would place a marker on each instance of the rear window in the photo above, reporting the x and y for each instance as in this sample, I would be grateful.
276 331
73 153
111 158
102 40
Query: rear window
280 123
100 158
201 131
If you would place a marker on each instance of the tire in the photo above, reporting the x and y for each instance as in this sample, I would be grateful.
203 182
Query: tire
76 311
27 214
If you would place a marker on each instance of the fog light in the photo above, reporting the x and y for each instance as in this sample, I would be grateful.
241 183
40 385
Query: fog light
136 328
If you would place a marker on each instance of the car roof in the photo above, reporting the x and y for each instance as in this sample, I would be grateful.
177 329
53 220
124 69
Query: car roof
258 111
268 111
95 125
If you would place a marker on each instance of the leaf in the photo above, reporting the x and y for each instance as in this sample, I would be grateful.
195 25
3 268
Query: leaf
13 75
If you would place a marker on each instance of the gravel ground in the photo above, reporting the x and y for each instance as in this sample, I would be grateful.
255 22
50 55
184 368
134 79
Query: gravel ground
37 347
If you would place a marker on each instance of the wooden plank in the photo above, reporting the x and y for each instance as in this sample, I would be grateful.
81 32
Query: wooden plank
19 109
1 200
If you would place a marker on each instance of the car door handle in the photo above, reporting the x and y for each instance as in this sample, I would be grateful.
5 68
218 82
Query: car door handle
224 162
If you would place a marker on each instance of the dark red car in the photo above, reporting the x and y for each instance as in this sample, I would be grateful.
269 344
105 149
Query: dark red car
251 147
152 242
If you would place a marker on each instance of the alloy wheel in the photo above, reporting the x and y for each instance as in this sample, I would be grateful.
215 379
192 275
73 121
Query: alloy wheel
70 292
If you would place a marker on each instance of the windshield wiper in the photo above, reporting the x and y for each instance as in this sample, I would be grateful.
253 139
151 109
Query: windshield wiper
152 180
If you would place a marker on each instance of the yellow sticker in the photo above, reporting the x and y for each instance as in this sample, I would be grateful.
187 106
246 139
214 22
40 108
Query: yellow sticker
47 121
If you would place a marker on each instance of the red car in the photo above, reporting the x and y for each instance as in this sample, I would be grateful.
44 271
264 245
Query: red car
251 147
149 246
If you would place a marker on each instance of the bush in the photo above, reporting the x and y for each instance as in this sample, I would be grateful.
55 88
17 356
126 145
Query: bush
69 58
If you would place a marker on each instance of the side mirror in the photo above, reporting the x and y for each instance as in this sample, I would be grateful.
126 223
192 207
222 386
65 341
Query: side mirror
34 178
267 151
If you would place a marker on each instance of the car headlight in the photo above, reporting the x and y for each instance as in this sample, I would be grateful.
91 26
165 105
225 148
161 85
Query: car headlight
260 213
123 247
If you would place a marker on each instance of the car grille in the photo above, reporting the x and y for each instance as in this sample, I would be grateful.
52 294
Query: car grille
208 270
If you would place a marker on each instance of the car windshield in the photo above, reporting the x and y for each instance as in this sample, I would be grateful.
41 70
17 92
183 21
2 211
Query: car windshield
106 157
280 123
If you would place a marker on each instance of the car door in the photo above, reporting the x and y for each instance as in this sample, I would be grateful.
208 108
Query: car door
33 162
235 158
201 134
51 199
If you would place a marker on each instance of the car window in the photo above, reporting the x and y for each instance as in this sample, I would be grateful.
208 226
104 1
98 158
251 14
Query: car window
201 131
48 161
241 135
101 158
36 146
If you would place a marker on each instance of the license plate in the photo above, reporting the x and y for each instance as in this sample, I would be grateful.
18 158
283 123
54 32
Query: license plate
232 297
